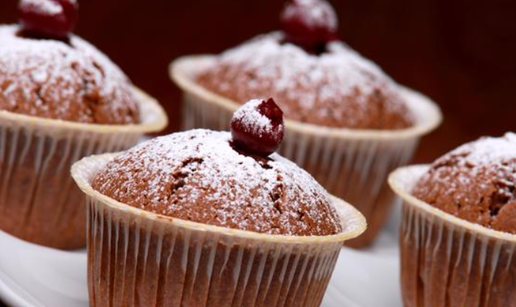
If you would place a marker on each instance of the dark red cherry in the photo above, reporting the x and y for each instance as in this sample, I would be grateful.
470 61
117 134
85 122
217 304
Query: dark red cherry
257 127
310 24
53 19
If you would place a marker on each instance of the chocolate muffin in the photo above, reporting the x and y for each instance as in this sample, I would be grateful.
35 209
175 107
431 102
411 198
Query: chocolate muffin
204 218
337 88
197 176
60 100
457 238
475 182
347 123
68 81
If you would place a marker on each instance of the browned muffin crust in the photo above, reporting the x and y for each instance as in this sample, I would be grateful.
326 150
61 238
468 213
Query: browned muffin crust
338 88
198 176
475 182
72 82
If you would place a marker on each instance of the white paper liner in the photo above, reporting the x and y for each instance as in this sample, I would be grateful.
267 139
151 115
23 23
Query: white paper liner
350 163
447 261
38 200
138 258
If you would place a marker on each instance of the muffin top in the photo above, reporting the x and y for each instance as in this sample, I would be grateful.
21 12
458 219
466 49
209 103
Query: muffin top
199 176
337 88
475 182
70 81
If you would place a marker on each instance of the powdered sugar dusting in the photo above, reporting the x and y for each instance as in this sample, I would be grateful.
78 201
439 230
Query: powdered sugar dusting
197 175
51 79
316 13
341 69
335 86
44 7
487 151
476 182
252 119
490 158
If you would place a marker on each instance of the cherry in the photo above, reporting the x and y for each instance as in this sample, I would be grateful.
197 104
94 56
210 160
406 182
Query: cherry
310 24
257 127
53 19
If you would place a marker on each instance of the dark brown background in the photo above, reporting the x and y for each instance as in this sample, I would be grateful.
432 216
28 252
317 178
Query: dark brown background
460 53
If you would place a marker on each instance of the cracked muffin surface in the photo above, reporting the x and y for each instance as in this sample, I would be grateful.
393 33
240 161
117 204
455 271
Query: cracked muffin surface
67 81
198 176
475 182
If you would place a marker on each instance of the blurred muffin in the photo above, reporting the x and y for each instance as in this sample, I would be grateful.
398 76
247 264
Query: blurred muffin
60 99
225 223
460 221
348 123
337 88
64 81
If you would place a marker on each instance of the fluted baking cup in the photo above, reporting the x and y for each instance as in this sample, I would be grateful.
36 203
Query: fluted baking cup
352 164
138 258
38 200
447 261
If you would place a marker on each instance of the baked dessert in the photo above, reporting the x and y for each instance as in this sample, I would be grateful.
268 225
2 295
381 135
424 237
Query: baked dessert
206 218
475 182
315 78
337 88
198 176
65 81
347 122
60 99
457 235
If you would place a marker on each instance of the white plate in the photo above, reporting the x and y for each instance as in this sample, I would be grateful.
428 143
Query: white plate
35 276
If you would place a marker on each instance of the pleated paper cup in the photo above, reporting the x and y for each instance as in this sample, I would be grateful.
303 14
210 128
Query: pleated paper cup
138 258
38 200
447 261
350 163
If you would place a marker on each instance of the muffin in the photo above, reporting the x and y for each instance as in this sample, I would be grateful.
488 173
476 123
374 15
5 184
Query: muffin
63 81
347 122
458 234
202 218
338 88
60 100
